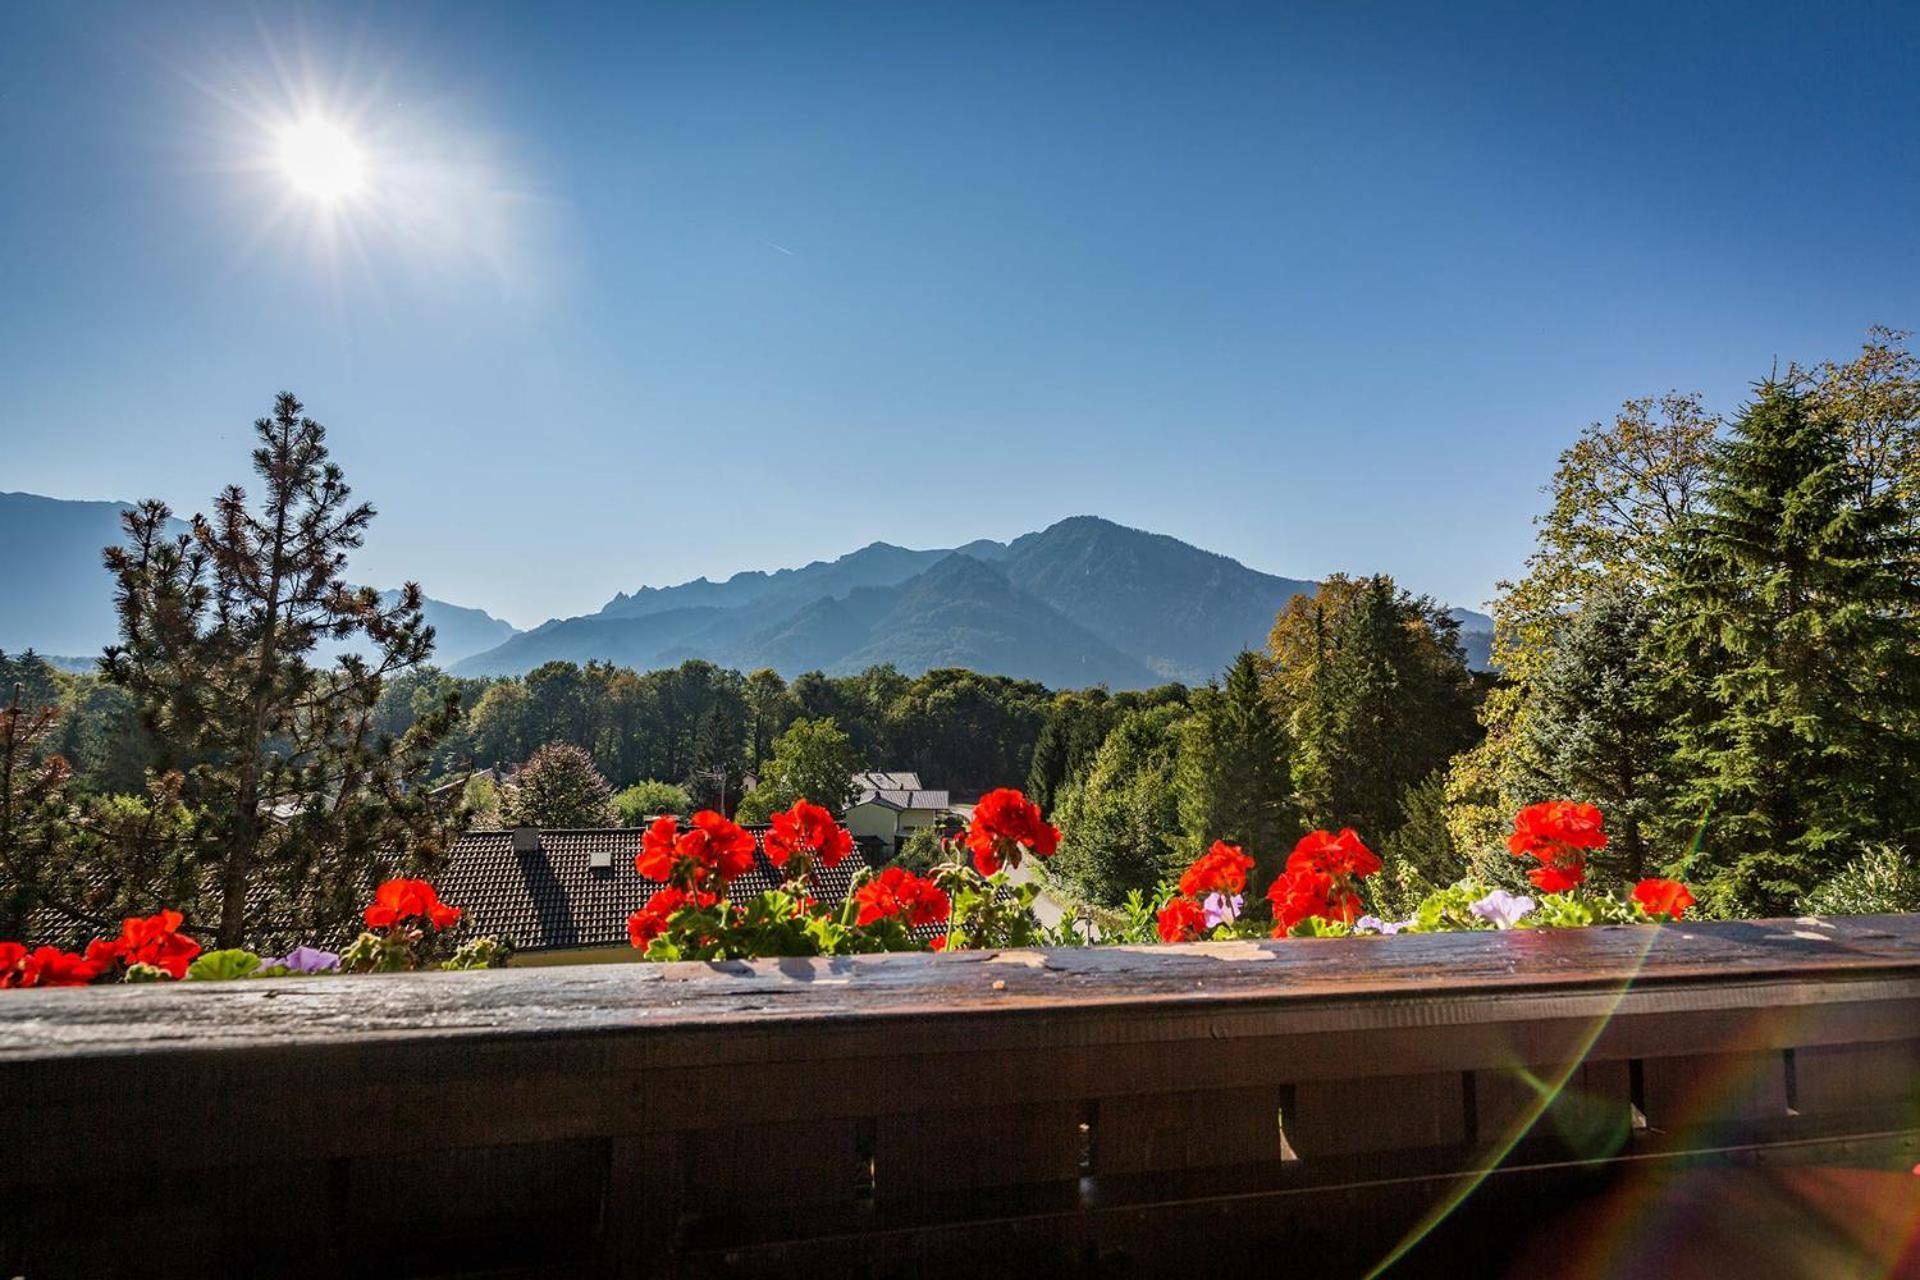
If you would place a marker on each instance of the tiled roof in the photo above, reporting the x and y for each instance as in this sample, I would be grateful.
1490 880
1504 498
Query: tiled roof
883 780
555 898
904 799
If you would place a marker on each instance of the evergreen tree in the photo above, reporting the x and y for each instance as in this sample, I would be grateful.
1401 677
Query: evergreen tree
1377 695
1120 825
1234 778
1796 643
305 805
1419 855
1597 729
559 787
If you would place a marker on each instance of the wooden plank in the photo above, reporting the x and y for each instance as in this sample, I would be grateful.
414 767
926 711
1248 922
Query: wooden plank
1194 1129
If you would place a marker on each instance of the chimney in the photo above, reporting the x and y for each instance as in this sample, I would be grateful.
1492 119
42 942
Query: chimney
526 840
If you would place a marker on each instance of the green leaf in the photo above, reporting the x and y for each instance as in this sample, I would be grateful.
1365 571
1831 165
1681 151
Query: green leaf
222 966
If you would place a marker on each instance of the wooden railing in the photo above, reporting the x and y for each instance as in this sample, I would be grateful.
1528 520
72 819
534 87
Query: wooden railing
1453 1105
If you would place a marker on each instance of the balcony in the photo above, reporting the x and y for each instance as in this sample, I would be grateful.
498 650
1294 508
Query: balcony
1462 1103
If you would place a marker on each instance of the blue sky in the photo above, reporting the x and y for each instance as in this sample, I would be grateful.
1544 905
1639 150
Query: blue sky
634 293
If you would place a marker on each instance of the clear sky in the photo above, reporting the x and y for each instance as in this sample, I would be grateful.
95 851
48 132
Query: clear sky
632 293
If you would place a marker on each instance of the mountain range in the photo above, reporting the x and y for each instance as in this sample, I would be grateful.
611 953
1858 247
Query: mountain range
1081 602
56 597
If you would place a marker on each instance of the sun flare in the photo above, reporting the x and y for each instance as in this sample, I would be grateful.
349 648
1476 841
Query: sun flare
322 161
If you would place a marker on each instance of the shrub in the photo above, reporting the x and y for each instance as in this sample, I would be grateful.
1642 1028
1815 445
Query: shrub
644 801
1885 878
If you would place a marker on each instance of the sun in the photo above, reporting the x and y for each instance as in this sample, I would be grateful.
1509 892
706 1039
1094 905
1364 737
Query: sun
322 160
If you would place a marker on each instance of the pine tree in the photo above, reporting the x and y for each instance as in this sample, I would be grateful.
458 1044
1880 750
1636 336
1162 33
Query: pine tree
1597 729
1234 775
305 804
1796 641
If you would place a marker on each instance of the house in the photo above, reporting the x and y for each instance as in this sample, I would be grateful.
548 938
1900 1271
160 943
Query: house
891 806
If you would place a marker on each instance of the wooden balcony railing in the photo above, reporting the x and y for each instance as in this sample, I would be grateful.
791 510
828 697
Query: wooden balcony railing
1457 1105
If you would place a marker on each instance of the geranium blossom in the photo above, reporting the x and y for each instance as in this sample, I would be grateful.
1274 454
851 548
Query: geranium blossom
807 831
1322 879
1221 869
46 967
153 940
1005 825
1560 834
400 900
650 921
711 855
1667 898
1181 920
1501 909
898 892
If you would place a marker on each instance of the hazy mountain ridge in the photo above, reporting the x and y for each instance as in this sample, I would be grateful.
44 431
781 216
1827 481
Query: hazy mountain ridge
1083 601
59 597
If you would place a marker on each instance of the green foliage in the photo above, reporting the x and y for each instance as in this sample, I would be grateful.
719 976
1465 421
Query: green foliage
1793 632
812 760
924 849
1419 854
558 787
1597 729
1376 693
478 953
480 797
1120 825
646 800
1233 779
1883 879
223 966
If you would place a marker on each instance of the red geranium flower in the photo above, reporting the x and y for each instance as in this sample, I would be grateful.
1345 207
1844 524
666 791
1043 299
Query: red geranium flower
705 859
1006 823
154 940
808 831
1221 869
898 892
648 923
1667 898
401 900
47 967
1341 856
1182 920
1559 833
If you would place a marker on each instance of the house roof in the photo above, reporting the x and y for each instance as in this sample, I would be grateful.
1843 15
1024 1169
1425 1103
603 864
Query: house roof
883 780
904 799
896 790
555 898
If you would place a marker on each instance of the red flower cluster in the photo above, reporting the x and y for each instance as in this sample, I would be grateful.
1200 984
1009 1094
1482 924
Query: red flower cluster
1322 879
1559 833
398 901
706 858
898 892
650 921
1182 920
50 966
809 832
1004 824
1221 869
1667 898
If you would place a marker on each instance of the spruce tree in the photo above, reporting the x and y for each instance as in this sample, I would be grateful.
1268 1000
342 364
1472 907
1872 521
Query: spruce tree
1795 639
1234 775
1597 730
1384 699
304 804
